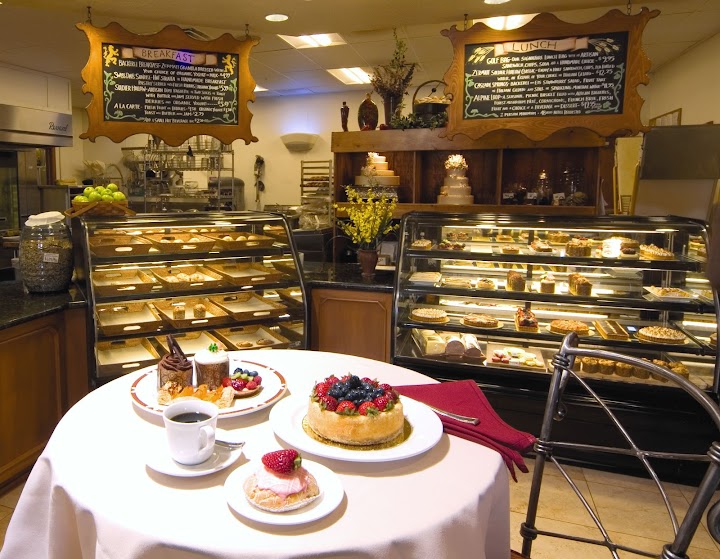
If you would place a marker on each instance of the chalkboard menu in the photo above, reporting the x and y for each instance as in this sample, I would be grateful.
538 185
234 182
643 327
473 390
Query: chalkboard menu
162 85
546 77
167 84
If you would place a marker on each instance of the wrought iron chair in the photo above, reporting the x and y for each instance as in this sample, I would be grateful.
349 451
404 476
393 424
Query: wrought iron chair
547 444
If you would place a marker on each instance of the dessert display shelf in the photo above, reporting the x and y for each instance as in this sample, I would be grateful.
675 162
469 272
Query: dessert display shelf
203 277
486 283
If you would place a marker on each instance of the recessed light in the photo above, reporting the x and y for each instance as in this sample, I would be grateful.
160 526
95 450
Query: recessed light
259 88
350 76
496 1
276 17
313 41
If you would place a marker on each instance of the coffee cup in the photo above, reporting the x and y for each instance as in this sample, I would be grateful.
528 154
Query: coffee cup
190 428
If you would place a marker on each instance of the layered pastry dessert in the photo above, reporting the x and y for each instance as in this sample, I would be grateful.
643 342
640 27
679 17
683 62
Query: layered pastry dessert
174 367
567 326
354 411
281 483
611 329
547 283
455 189
451 245
515 281
578 246
457 282
540 246
480 321
422 244
653 252
510 249
579 285
515 356
504 238
212 365
661 335
458 236
557 237
525 320
424 314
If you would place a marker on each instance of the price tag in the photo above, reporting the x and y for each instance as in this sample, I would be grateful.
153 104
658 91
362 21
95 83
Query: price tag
559 196
508 195
51 257
531 196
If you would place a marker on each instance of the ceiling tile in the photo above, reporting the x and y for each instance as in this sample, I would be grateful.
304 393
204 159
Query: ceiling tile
340 56
312 78
284 61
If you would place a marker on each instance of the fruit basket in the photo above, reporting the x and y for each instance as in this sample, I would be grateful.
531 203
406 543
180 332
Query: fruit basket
98 208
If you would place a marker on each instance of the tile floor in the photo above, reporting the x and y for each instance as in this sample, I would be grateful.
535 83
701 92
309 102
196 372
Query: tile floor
618 500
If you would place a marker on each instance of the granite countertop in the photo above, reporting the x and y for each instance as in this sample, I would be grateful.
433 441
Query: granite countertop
346 276
17 306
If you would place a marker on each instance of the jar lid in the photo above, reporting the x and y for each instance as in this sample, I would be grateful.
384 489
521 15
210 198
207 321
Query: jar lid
45 218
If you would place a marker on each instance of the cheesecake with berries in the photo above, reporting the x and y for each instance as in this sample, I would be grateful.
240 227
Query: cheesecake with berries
355 411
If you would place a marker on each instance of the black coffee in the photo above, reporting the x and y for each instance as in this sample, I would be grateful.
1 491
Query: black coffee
190 417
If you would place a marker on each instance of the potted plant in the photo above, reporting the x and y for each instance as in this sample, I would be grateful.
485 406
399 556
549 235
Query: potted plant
392 80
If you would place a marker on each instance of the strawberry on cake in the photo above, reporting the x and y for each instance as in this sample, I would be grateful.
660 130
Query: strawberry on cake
354 411
281 484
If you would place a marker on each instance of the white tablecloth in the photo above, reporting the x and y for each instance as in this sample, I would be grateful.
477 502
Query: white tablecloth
91 495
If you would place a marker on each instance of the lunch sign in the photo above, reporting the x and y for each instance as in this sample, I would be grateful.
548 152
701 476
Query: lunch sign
548 75
168 85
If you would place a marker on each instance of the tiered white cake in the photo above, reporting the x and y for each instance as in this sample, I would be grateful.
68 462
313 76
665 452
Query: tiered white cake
455 189
381 176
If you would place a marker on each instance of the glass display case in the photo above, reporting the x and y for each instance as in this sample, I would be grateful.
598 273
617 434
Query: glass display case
490 297
224 277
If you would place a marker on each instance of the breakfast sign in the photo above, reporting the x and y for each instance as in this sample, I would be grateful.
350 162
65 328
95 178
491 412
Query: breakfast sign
547 76
167 84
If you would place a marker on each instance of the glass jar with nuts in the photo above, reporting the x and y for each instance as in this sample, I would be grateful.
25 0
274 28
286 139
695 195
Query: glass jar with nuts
46 258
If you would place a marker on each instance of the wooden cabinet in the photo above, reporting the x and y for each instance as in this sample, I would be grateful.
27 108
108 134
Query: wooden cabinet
496 163
351 322
43 371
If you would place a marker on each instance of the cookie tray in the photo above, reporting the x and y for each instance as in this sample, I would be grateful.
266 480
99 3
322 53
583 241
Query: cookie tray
122 282
214 315
209 280
251 337
257 241
118 245
178 243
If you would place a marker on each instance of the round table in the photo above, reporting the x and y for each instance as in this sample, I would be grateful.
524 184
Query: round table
91 493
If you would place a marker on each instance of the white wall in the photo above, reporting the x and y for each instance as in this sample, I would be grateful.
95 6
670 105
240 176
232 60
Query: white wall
690 83
272 117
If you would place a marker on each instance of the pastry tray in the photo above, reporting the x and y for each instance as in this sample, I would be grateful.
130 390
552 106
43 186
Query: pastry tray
118 245
259 241
246 273
122 282
294 331
214 315
126 318
167 243
190 342
248 306
247 337
292 297
211 278
492 347
124 356
286 267
276 232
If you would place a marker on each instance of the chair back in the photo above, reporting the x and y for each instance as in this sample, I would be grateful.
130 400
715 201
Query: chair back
547 443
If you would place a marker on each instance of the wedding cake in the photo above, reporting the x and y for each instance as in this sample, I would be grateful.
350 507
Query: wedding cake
455 189
375 176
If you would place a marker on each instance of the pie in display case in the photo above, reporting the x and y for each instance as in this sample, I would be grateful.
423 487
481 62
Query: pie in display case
491 297
205 277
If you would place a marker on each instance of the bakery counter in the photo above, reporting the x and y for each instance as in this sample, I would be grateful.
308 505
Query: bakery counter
327 275
17 306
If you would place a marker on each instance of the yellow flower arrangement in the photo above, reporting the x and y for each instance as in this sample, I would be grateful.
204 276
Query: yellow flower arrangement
369 218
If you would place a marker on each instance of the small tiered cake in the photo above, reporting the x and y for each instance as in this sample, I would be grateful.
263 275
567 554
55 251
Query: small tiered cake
376 171
456 189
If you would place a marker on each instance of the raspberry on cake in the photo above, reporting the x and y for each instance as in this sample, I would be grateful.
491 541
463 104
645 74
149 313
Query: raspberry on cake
525 320
281 483
354 411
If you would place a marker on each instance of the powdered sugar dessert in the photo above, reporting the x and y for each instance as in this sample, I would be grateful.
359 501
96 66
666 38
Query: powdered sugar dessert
281 483
354 411
455 189
212 365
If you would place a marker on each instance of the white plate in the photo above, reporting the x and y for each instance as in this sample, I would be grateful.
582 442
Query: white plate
143 391
160 461
286 419
331 495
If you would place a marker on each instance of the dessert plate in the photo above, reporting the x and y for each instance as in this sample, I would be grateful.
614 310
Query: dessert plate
160 461
331 495
286 419
143 391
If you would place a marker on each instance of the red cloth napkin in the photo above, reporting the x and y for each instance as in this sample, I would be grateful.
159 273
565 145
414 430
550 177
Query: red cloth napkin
464 397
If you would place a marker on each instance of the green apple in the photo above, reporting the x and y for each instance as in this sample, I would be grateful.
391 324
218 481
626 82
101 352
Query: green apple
112 187
118 196
80 198
94 197
107 198
87 190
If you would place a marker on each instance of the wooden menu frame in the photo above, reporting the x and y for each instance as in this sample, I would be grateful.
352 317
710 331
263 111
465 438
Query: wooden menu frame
212 101
544 29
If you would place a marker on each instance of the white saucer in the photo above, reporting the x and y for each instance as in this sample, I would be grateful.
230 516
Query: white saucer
160 461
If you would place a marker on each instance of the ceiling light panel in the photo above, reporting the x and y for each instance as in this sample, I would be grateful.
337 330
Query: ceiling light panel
276 17
350 76
313 41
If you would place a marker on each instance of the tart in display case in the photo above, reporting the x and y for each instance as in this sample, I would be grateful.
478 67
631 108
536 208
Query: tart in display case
627 284
150 275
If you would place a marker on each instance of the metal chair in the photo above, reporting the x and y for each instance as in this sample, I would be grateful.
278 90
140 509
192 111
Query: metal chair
555 411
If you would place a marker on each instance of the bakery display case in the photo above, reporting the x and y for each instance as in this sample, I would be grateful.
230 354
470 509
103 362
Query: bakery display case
207 277
490 297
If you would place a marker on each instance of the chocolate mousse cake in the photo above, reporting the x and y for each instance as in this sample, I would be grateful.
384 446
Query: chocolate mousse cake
175 366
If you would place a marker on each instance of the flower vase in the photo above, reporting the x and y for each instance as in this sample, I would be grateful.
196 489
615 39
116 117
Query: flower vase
368 259
391 103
